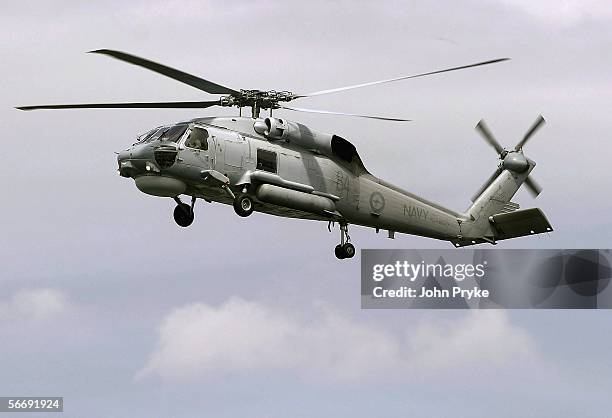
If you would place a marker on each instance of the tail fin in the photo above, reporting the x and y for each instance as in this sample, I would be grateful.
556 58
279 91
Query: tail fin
494 199
494 217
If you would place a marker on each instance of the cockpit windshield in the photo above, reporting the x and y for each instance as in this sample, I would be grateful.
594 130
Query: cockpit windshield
174 133
164 133
146 135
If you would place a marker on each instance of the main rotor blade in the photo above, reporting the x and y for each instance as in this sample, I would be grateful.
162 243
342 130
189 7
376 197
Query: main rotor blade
192 80
299 109
317 93
533 187
145 105
536 125
488 136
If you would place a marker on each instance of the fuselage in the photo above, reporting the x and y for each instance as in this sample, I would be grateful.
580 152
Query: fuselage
249 160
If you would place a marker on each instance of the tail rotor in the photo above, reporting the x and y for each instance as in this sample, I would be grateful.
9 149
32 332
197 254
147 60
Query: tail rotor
512 160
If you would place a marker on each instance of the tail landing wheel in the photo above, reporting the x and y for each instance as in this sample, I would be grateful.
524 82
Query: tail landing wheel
345 249
339 252
349 250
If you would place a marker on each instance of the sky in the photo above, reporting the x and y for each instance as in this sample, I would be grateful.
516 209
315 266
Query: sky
105 301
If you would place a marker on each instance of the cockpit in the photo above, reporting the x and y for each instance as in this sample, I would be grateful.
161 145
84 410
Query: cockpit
163 133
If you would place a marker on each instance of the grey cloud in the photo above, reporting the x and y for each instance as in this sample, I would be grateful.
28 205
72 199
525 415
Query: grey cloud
241 337
34 304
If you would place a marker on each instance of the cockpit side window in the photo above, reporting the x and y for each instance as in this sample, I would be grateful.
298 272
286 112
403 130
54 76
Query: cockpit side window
198 139
173 134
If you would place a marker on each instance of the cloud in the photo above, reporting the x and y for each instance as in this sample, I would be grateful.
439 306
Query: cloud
242 337
34 304
482 338
564 11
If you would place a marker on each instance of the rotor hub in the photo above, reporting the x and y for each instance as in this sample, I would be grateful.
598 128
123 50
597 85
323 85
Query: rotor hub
515 161
257 99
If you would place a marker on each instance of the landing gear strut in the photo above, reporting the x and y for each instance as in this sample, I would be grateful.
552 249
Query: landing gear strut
183 213
345 249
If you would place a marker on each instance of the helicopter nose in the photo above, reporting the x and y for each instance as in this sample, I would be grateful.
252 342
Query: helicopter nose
126 167
122 156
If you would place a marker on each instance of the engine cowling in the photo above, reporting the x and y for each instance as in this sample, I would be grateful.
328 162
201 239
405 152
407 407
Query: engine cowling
277 129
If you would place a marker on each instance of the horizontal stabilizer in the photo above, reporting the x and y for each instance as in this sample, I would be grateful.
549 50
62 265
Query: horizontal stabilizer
510 225
520 223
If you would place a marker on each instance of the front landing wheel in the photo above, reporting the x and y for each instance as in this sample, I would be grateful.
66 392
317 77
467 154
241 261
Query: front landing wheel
243 205
183 215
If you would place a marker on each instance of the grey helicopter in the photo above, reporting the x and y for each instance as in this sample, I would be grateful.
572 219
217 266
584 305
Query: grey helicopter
284 168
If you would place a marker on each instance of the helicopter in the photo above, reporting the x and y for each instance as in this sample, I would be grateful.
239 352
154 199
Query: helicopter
284 168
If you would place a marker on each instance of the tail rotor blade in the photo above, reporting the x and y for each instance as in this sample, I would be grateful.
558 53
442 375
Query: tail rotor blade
536 125
488 136
486 184
533 187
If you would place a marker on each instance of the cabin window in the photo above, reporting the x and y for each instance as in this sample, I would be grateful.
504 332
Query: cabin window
266 160
198 139
174 134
